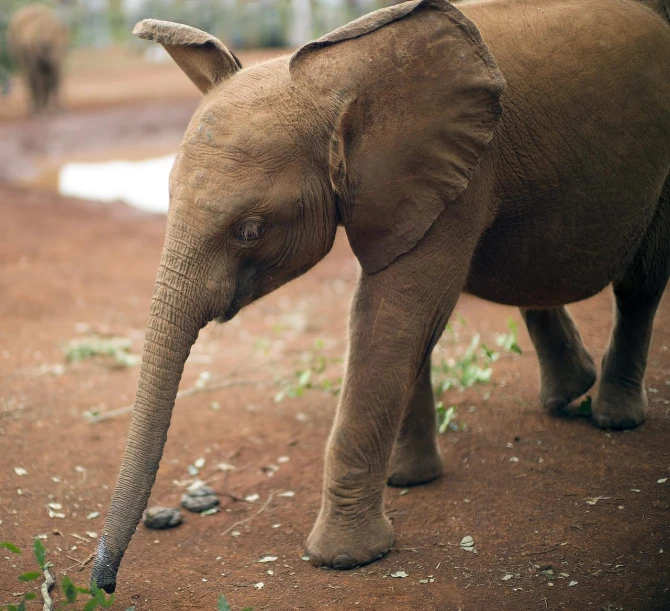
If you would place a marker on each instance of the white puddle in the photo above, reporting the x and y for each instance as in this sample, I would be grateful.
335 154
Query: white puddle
143 184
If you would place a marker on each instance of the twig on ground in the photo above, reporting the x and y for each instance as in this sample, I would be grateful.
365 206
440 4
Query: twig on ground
84 539
234 497
82 563
180 395
544 551
15 410
49 581
251 517
405 549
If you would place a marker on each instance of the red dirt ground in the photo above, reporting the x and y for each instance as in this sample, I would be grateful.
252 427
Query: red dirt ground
70 267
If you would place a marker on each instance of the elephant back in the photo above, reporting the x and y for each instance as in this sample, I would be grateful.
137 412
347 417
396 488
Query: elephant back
36 32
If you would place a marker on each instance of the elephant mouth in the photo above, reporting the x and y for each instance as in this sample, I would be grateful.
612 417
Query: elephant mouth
244 295
229 314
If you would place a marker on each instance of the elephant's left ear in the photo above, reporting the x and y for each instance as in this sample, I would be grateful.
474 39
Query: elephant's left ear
419 97
202 57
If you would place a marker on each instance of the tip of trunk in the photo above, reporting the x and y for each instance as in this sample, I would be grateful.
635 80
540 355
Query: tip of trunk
104 569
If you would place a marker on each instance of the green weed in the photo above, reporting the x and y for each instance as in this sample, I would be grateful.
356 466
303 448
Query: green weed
115 348
223 605
93 598
96 597
470 368
312 374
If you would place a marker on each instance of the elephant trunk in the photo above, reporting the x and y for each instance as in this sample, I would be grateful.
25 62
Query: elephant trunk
178 312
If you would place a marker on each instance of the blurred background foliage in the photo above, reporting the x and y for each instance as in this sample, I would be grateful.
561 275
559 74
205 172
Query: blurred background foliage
239 23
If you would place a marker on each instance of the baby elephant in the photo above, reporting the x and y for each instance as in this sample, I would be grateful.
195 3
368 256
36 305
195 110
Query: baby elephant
518 151
38 40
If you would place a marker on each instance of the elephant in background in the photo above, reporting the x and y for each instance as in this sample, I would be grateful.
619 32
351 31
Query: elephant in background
38 41
514 150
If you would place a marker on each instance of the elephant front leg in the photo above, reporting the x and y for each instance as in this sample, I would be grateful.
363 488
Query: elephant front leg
416 457
391 335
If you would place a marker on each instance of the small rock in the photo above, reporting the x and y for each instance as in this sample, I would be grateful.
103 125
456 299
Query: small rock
160 518
199 500
195 485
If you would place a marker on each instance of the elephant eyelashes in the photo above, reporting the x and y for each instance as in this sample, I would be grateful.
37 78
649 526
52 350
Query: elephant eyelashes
250 231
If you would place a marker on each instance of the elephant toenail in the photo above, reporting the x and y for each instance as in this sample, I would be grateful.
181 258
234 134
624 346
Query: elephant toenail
343 561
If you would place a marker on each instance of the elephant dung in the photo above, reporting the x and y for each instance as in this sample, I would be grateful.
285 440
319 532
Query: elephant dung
160 518
200 499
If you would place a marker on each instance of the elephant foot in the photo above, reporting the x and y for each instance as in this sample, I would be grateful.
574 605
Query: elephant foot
344 544
619 407
411 466
567 382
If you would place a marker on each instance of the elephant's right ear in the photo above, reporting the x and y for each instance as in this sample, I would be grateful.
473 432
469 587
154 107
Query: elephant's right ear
416 93
204 58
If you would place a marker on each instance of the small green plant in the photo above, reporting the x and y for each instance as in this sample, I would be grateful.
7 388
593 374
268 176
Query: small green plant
507 341
312 375
584 409
96 600
223 605
446 418
115 348
471 368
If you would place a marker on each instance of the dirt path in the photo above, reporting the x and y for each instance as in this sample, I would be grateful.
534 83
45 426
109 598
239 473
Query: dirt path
70 267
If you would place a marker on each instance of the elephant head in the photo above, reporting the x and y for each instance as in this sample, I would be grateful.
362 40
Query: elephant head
377 126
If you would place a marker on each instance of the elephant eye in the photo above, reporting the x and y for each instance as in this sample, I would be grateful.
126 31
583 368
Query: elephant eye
250 231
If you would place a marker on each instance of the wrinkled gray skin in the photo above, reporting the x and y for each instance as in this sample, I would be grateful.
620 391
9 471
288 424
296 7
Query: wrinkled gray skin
38 41
518 151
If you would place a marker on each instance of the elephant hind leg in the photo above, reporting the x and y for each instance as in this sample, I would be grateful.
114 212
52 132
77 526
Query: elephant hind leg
33 81
416 457
622 398
44 72
53 87
567 370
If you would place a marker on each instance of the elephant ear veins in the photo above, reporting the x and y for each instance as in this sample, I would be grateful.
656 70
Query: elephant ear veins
202 57
418 94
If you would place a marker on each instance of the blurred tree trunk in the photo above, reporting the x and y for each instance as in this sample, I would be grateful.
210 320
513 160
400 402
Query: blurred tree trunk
301 22
117 22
